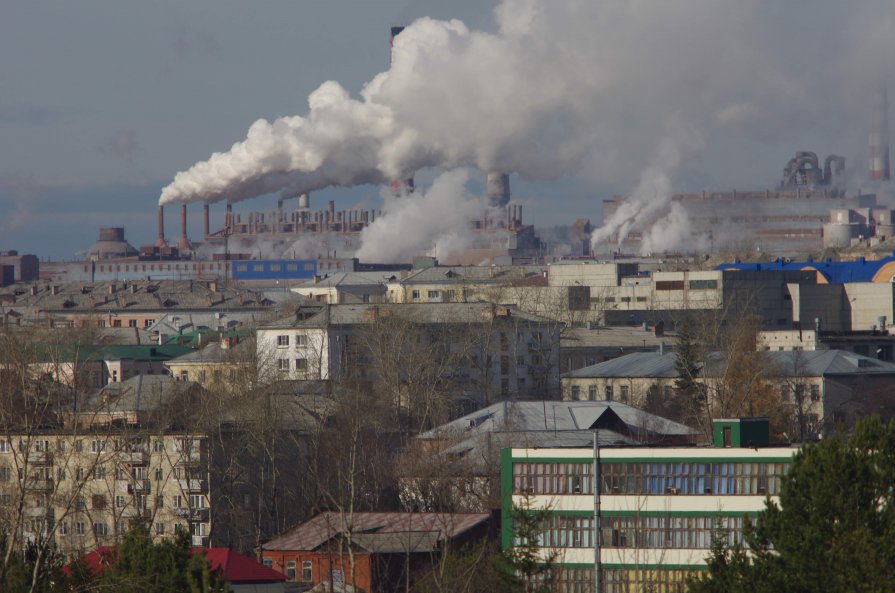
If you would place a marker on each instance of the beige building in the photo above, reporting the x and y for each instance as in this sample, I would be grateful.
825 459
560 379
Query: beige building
80 489
228 363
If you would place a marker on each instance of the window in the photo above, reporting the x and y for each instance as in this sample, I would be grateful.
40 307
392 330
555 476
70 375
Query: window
592 392
283 365
158 474
147 322
607 393
63 528
202 376
132 323
282 341
301 340
306 575
175 501
669 285
99 473
4 446
301 364
184 375
99 501
415 295
703 284
159 501
623 393
290 570
97 446
160 529
576 392
61 474
197 501
5 474
267 562
815 393
434 295
100 529
120 501
79 528
79 445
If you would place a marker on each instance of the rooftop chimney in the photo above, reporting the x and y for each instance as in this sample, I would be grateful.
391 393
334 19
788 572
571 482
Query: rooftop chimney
160 242
879 136
184 243
498 189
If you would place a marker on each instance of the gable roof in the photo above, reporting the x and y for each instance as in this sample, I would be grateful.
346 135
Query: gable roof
378 532
637 364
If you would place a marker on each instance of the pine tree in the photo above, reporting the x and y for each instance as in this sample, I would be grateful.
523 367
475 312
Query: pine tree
834 527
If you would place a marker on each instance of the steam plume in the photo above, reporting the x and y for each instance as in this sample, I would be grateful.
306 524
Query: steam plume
566 86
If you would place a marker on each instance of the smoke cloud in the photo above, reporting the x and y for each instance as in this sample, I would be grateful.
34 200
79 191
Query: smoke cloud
585 88
435 223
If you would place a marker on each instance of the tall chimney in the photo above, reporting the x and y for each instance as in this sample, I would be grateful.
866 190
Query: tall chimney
399 187
304 202
205 232
184 243
498 189
879 136
160 242
228 219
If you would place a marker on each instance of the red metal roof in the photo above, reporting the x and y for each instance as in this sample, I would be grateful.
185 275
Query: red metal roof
236 568
313 533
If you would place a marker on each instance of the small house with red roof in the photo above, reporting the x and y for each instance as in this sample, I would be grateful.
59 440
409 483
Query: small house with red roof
245 575
368 552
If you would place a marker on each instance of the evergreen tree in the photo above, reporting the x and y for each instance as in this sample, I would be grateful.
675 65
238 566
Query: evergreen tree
833 530
143 566
529 569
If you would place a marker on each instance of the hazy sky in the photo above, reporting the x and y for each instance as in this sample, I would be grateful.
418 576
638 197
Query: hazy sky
103 102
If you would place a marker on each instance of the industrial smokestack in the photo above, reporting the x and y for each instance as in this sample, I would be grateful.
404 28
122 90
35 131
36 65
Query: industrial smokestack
879 136
205 229
184 243
160 242
304 202
399 187
228 219
498 189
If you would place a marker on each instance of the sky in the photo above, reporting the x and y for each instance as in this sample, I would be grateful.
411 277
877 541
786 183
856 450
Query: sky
103 103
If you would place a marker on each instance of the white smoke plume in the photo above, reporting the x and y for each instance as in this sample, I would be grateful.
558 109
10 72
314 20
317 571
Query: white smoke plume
436 222
576 87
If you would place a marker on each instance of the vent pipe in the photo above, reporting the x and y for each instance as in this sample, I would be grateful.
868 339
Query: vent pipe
184 243
879 136
160 242
498 189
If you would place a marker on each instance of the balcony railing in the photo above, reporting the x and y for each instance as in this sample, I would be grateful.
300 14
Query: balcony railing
134 457
140 485
199 515
40 458
199 541
39 484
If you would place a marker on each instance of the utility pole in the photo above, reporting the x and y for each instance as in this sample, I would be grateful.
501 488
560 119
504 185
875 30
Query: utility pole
596 512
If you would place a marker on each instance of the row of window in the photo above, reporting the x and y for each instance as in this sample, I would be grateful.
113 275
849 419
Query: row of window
558 531
624 393
306 570
650 478
152 267
300 340
284 365
581 580
98 445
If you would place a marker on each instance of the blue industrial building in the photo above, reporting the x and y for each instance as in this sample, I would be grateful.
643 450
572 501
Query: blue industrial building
828 271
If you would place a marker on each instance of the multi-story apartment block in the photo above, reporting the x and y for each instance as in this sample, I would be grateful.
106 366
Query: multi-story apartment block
656 509
497 348
81 489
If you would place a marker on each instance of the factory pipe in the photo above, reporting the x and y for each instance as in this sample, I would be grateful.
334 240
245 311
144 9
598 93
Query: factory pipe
160 242
184 243
498 189
399 187
879 136
205 227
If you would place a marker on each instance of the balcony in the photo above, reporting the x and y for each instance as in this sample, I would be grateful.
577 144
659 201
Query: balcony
40 458
141 486
39 484
194 486
133 512
199 541
200 515
192 457
134 457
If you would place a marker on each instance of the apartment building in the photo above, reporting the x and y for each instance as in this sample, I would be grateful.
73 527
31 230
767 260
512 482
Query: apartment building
658 507
497 348
81 489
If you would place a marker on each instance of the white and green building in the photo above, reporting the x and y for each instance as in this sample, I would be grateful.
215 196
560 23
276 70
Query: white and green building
657 507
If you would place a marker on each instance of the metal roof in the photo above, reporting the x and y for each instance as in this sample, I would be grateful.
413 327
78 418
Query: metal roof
637 364
835 272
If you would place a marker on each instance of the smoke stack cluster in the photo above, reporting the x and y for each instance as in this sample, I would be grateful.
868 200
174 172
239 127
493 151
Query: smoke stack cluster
879 136
498 191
